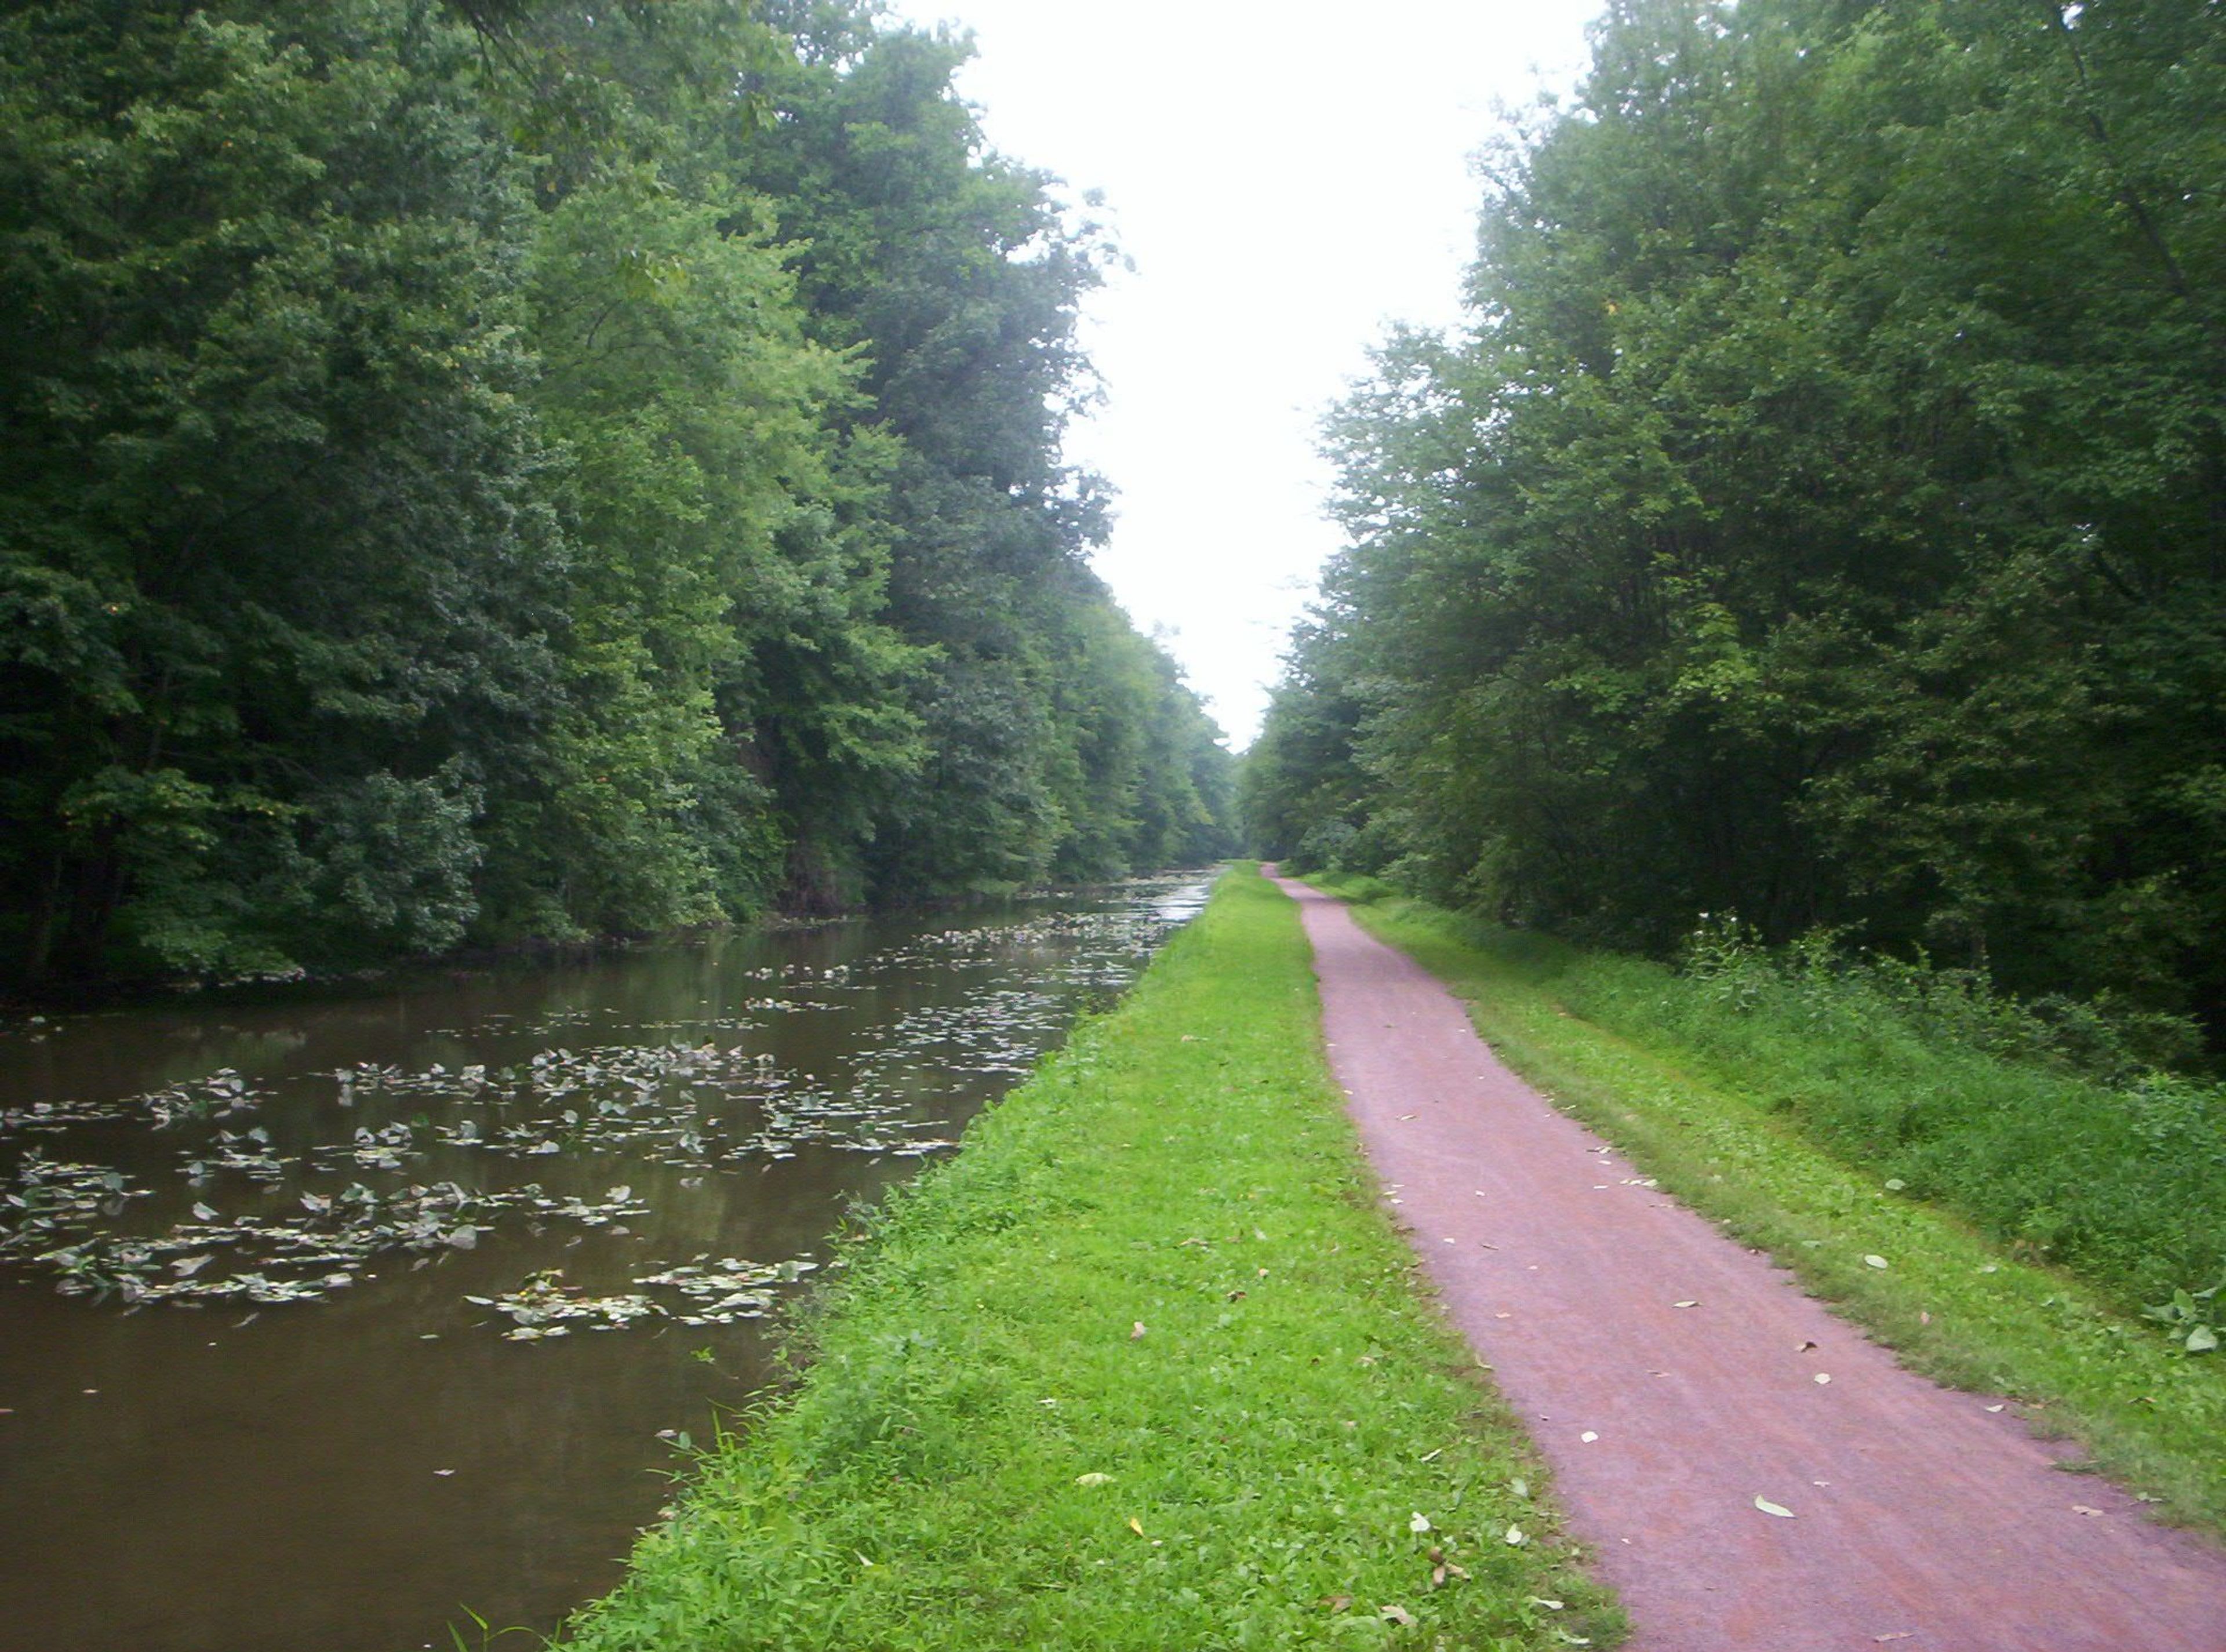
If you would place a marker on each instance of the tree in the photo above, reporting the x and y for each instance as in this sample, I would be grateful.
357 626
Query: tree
1821 518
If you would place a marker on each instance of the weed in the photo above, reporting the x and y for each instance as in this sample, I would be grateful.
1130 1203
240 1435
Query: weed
2194 1319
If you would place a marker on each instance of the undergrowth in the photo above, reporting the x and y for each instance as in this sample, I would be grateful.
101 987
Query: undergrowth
1144 1366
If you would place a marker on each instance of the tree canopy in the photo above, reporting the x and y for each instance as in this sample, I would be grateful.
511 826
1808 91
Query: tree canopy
1823 516
471 473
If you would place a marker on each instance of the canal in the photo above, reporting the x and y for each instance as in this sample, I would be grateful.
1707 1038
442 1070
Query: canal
338 1322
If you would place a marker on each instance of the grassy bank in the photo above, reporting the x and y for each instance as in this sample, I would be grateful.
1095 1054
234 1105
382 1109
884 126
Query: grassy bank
1143 1366
1816 1131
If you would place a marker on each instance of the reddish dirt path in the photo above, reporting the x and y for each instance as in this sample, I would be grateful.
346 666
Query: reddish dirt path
1920 1519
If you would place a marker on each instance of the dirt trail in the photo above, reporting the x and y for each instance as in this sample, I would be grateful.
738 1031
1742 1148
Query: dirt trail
1920 1520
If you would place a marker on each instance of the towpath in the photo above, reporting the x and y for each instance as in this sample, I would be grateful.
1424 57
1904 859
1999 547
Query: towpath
1672 1378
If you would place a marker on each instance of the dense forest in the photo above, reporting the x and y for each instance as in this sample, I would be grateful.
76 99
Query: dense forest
481 472
1821 521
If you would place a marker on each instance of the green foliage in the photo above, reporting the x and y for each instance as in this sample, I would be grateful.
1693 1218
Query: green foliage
1822 517
268 522
2194 1319
393 859
1057 742
2045 1124
1151 1289
498 471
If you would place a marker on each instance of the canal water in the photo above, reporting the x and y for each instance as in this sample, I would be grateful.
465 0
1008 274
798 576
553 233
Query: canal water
337 1324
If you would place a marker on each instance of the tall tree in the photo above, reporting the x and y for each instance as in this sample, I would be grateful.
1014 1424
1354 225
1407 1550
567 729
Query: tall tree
1822 517
271 554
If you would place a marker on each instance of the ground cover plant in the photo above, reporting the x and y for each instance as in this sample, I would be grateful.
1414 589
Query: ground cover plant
2023 1215
1142 1366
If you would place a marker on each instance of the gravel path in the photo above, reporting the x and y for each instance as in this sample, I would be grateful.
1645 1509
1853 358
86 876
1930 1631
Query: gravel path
1672 1378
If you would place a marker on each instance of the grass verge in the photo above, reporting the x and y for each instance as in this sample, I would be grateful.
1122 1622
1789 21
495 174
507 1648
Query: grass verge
1143 1366
1720 1129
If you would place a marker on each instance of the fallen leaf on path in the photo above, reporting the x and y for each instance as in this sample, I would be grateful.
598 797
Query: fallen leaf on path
1587 1437
1804 1347
1823 1377
1687 1303
1770 1508
1898 1635
1993 1407
2081 1508
1404 1117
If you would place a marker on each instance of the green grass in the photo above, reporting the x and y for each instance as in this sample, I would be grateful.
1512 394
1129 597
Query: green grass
1290 1405
1785 1131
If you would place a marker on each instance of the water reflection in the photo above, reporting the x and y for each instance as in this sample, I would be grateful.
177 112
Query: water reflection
278 1399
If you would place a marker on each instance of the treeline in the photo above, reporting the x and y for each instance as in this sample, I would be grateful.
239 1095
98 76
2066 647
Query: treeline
502 470
1821 518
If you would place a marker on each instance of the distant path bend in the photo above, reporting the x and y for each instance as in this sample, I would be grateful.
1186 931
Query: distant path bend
1920 1520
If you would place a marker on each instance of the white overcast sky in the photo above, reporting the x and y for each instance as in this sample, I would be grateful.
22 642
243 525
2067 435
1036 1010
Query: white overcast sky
1289 179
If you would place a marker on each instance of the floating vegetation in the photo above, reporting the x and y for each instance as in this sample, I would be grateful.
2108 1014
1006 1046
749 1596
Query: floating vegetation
707 1294
246 1151
544 1305
276 1187
52 1196
220 1094
717 1294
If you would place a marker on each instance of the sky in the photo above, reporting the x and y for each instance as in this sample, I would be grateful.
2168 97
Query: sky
1288 181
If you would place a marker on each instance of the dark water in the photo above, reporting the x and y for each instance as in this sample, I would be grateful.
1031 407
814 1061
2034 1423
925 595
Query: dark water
262 1409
